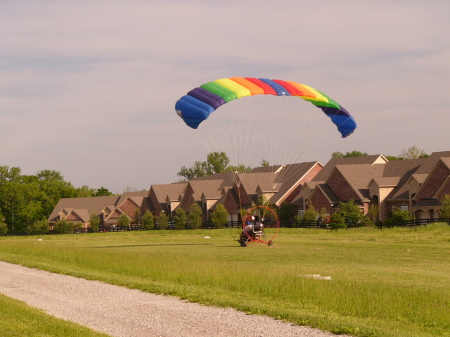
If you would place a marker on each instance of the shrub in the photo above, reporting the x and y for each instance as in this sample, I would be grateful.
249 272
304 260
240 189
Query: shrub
444 212
180 218
64 227
38 227
398 217
337 221
195 216
310 215
163 222
95 222
124 220
353 216
3 228
147 220
220 216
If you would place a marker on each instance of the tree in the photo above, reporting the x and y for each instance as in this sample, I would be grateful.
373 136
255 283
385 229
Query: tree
444 212
101 192
216 162
374 213
392 158
3 226
180 218
285 213
196 171
413 153
163 222
147 220
124 221
95 222
352 214
348 154
239 168
264 163
195 216
220 216
136 212
37 228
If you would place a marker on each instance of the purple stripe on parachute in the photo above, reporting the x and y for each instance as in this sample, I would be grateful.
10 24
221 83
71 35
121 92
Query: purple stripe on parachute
207 96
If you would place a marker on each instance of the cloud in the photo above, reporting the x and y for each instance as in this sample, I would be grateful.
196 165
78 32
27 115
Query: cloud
88 87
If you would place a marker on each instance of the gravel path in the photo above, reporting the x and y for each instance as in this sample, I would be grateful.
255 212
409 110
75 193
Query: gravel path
119 311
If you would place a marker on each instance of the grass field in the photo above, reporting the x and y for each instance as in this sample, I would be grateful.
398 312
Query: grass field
365 282
19 320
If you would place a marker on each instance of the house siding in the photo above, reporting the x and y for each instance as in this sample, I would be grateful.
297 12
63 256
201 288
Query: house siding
341 187
318 200
434 182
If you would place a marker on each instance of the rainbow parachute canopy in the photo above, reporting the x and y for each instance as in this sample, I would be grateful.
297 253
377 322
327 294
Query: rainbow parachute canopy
200 102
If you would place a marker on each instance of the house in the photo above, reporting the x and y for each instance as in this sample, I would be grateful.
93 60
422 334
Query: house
416 185
273 184
165 198
429 185
341 179
108 208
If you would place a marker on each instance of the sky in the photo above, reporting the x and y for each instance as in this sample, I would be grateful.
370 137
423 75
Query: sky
88 88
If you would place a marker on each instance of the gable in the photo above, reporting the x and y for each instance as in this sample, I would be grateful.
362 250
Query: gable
129 207
434 181
340 187
445 189
72 216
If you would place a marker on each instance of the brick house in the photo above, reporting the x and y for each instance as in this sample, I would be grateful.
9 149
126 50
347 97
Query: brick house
165 198
430 185
416 185
275 184
108 208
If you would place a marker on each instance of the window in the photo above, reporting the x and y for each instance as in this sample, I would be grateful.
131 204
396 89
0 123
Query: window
301 213
404 208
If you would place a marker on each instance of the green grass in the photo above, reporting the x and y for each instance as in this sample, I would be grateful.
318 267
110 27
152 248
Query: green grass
392 282
18 320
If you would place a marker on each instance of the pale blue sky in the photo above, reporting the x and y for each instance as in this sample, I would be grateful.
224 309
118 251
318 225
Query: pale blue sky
88 87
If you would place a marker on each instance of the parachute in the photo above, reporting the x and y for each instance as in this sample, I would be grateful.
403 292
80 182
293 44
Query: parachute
200 102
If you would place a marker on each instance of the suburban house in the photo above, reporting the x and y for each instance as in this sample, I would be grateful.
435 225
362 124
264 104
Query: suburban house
165 198
108 208
416 185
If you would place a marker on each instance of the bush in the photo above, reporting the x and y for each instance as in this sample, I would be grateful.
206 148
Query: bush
163 222
147 221
220 216
398 217
95 222
337 221
180 218
445 209
64 227
124 220
310 215
3 228
353 216
38 227
195 216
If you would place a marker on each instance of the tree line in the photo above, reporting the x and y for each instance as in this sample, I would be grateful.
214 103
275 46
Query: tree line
28 200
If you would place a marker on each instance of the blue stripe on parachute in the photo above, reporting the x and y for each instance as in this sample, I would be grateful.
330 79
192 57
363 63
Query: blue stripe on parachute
192 110
281 91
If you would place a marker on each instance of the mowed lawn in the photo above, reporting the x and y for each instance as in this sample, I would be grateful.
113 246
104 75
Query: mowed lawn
364 282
